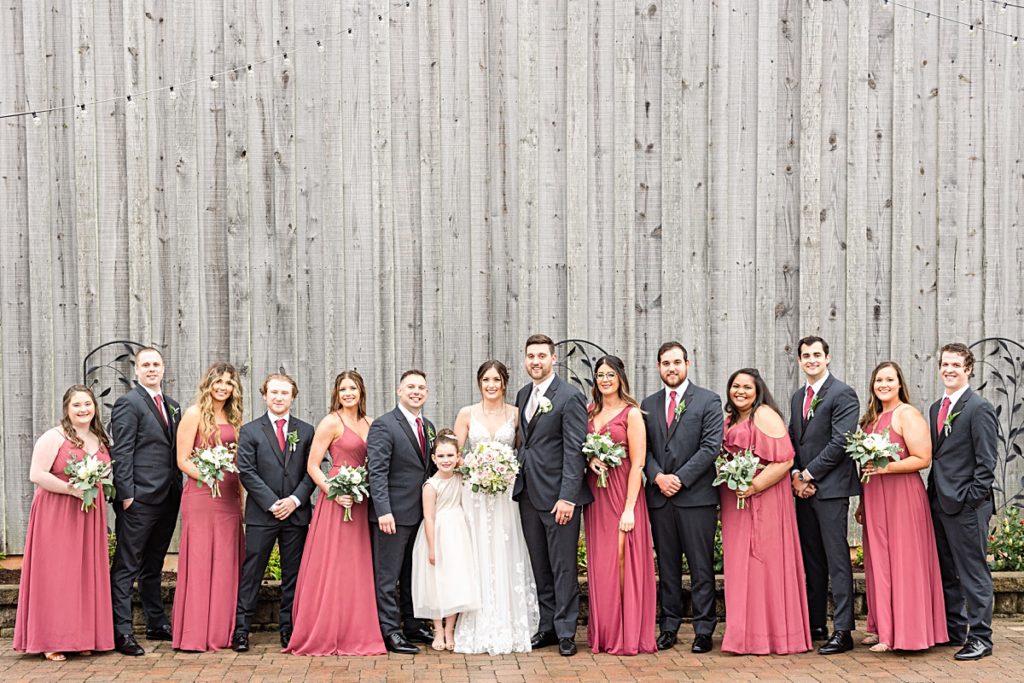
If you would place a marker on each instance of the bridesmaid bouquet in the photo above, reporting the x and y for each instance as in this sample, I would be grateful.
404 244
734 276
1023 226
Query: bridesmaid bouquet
737 470
491 467
213 463
90 475
602 447
871 448
349 481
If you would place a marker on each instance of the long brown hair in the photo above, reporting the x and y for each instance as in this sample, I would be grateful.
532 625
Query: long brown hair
208 430
762 397
95 425
874 408
360 385
615 363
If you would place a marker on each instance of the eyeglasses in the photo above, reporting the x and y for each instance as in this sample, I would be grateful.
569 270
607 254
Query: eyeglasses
605 375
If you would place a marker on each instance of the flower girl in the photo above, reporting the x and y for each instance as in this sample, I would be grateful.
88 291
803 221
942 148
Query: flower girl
443 567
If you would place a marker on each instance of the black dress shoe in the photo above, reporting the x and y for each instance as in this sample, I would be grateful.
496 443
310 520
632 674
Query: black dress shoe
819 633
543 639
127 645
419 635
666 640
972 650
566 647
701 644
286 637
841 641
397 643
159 633
240 641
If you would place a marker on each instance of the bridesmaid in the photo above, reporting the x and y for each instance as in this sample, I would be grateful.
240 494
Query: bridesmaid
64 597
765 597
335 610
211 550
620 554
906 609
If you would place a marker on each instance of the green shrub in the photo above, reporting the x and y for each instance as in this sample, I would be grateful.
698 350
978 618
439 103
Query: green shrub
1006 542
273 572
581 552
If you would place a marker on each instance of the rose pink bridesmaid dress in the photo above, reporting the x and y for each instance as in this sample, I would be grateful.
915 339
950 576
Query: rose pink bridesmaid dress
335 610
209 560
901 566
765 595
64 597
622 616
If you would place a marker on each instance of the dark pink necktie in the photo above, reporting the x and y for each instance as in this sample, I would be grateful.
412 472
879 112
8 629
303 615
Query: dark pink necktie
423 441
280 434
807 400
671 408
160 408
943 411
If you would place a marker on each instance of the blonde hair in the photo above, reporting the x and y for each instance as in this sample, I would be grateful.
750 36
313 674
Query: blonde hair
208 430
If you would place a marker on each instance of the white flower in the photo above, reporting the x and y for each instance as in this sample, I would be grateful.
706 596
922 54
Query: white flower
543 405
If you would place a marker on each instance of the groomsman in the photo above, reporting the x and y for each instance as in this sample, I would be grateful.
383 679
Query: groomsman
143 425
550 489
684 436
398 460
272 454
964 437
822 412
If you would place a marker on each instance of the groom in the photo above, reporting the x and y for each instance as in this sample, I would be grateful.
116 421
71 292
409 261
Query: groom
550 489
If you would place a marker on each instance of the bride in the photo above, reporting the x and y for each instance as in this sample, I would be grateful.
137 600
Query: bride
508 614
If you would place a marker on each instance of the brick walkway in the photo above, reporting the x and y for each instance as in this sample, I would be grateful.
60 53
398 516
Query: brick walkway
265 663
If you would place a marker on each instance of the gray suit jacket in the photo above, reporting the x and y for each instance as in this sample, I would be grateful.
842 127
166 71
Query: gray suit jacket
820 442
269 474
551 451
964 462
397 471
145 465
687 449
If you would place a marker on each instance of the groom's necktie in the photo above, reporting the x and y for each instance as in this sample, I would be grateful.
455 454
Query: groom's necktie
280 434
531 407
671 408
159 399
808 399
423 441
943 412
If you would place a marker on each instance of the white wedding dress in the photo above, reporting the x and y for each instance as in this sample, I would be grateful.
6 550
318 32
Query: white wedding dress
508 614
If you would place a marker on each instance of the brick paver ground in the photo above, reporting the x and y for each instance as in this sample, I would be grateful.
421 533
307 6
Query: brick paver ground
265 663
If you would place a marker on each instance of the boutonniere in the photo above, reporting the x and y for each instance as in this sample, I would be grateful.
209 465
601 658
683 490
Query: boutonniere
680 409
947 425
173 410
814 404
293 440
430 434
543 406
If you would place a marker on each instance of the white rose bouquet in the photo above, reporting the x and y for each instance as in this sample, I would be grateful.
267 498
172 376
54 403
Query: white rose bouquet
602 447
871 448
491 467
737 470
213 463
90 475
349 481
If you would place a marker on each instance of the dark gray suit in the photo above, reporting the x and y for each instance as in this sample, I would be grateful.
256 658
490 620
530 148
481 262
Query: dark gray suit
397 471
553 469
960 492
820 444
145 468
268 475
684 523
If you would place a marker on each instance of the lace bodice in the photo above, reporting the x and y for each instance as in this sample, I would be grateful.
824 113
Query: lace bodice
478 433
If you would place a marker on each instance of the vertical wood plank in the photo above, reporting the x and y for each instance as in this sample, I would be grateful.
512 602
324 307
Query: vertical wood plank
483 259
601 170
527 260
623 297
672 296
767 194
858 83
577 178
810 167
901 309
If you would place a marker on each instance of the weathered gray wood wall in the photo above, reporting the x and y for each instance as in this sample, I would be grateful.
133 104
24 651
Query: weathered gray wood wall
447 176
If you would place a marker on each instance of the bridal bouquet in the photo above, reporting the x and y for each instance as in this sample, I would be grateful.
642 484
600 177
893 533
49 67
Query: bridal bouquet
491 467
349 481
90 475
737 470
213 463
602 447
871 448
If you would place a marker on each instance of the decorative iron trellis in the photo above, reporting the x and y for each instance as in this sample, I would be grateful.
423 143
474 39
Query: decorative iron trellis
577 360
101 373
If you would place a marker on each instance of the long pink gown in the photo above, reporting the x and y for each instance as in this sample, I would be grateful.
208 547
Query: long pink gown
901 566
765 594
621 617
209 560
335 610
64 598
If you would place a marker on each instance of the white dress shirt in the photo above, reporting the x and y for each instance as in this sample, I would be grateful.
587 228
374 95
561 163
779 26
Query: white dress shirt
273 422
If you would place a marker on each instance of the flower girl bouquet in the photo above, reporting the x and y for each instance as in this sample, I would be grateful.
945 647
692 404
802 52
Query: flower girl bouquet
349 481
213 463
871 448
737 470
89 475
491 467
602 447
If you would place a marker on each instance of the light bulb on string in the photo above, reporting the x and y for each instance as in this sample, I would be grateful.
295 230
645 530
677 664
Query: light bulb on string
172 95
248 69
927 17
36 120
213 83
81 111
131 102
1016 40
286 60
320 46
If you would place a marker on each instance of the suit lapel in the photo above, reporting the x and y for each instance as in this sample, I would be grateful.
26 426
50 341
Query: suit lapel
661 408
549 394
933 416
407 428
677 420
521 399
955 408
268 431
151 404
